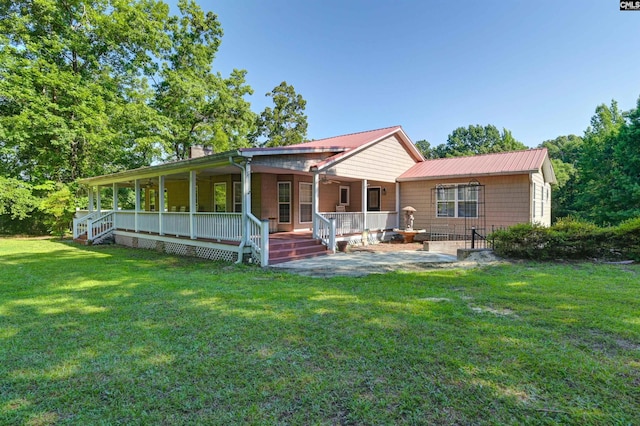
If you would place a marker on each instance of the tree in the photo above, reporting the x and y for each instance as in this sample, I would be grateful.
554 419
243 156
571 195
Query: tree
473 140
285 123
600 196
199 107
425 149
64 68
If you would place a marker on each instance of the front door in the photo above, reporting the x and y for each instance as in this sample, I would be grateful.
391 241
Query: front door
373 199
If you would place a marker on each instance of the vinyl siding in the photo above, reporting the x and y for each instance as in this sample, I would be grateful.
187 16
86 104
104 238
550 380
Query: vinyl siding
506 201
383 161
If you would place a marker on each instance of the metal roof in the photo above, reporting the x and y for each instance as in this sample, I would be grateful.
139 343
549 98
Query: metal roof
502 163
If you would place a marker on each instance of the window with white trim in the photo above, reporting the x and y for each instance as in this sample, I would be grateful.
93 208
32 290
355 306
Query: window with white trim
284 202
237 197
457 201
306 199
345 195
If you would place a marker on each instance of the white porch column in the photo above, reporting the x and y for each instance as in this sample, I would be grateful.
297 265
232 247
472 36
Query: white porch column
192 203
114 203
398 205
135 217
365 186
315 201
160 203
99 201
246 201
91 189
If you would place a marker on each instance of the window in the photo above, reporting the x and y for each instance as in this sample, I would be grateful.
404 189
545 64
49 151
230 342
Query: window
344 195
457 201
220 197
152 200
284 202
237 197
306 199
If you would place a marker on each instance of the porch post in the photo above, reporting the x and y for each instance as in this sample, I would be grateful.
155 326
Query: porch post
397 205
314 203
91 189
161 203
135 216
99 201
192 203
364 204
114 203
246 201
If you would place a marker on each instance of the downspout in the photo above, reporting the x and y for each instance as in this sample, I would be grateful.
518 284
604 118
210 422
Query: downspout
245 218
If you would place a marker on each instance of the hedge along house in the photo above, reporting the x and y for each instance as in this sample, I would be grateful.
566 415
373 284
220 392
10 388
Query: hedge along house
225 206
483 191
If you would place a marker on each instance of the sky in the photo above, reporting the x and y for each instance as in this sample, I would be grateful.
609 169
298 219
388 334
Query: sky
538 68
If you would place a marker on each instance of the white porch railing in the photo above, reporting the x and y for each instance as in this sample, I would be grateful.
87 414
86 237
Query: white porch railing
126 220
259 238
101 226
175 224
221 226
327 231
354 222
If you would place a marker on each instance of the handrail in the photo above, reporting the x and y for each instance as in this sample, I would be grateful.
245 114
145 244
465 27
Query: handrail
258 237
98 227
80 224
327 233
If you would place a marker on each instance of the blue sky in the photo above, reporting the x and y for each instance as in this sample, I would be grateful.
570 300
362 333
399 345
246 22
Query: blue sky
538 68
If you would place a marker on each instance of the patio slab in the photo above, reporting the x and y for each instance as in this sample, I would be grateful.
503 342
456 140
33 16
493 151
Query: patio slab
362 263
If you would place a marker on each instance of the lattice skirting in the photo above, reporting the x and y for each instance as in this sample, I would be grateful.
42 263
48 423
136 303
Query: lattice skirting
177 248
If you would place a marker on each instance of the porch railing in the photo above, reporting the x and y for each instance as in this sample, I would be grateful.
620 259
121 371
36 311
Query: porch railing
82 219
259 238
100 226
327 231
220 226
354 222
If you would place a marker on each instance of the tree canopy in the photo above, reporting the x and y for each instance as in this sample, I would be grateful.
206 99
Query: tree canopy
474 140
285 123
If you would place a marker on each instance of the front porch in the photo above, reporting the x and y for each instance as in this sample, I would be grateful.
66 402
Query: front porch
221 236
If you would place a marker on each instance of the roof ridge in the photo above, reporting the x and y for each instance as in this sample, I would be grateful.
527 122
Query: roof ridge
354 133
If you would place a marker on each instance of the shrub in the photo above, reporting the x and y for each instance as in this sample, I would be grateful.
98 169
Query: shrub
569 238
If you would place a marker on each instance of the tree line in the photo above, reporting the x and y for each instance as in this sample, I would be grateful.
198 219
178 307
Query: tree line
99 86
598 173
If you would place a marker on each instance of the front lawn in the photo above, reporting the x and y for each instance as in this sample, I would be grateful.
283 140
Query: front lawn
109 335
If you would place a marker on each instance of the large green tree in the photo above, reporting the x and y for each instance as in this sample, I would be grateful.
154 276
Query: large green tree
65 68
286 122
198 106
473 140
608 170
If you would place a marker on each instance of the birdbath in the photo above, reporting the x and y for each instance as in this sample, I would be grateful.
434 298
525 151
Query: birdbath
408 233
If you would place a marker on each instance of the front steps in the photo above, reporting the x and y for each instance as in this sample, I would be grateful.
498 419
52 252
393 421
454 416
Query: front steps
284 250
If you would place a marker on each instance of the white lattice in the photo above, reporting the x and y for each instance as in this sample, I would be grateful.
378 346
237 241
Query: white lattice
124 240
216 254
146 244
175 248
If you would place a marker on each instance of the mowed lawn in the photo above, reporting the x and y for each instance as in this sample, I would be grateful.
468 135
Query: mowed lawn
109 335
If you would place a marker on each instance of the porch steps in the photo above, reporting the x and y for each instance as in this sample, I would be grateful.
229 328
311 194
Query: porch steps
281 250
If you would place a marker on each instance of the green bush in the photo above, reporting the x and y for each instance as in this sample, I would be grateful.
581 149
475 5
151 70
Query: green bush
569 239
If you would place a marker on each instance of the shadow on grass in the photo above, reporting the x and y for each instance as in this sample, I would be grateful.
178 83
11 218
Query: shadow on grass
116 335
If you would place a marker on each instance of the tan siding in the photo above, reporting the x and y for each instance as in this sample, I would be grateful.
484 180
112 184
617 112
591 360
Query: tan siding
384 161
506 201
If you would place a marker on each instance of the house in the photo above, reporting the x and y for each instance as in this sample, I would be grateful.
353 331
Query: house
268 205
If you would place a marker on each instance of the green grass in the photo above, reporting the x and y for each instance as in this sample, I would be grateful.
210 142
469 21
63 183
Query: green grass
109 335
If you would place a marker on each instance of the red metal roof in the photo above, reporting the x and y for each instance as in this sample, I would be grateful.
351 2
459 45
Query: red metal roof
499 163
350 141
